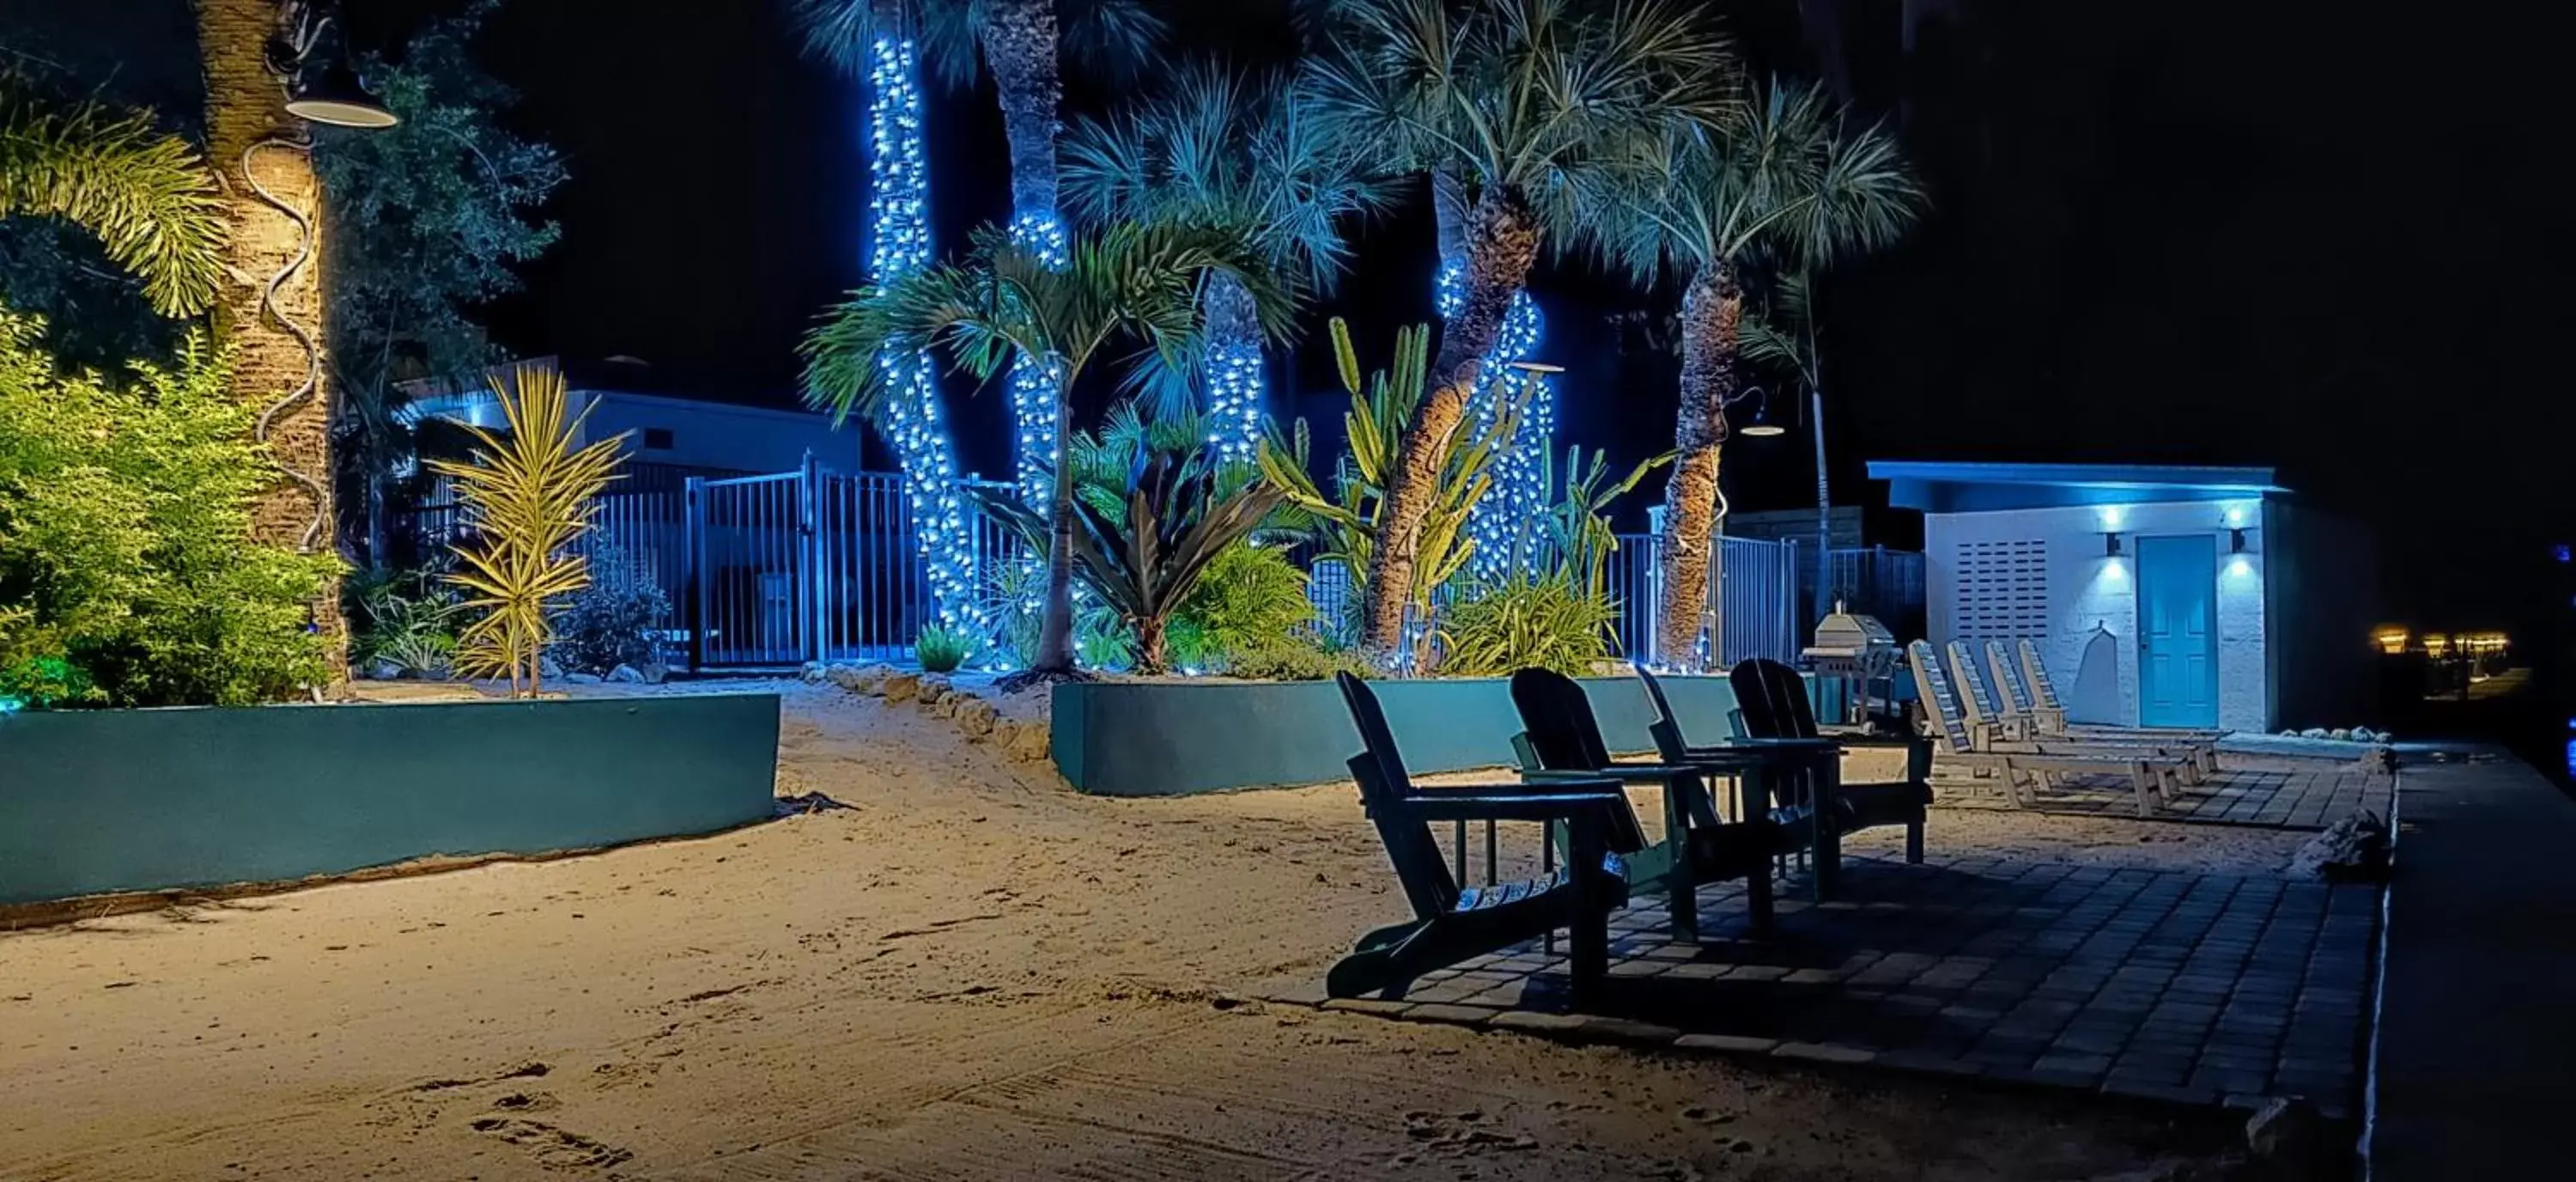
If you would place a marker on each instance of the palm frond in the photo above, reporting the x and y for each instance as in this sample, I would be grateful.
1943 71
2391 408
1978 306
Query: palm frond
147 196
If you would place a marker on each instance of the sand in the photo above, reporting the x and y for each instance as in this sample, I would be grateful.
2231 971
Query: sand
968 972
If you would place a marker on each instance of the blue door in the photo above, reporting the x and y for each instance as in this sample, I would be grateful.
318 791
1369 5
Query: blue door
2178 631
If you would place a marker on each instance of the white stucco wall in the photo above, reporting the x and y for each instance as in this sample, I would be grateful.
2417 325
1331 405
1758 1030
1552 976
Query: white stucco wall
2085 587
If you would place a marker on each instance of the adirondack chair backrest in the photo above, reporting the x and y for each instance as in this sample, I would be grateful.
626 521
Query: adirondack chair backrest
1670 744
1939 700
1557 717
1773 699
1977 702
2043 691
2008 680
1789 697
1428 885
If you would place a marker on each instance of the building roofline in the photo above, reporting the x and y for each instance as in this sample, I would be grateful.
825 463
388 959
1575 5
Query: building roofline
1959 486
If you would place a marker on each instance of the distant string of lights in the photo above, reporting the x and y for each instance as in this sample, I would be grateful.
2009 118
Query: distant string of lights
1519 491
1034 386
899 245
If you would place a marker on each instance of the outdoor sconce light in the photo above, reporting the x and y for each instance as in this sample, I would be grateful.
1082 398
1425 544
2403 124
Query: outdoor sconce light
2236 541
2110 544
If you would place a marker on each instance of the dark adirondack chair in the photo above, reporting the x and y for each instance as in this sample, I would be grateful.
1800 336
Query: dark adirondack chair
1453 921
1562 740
1773 699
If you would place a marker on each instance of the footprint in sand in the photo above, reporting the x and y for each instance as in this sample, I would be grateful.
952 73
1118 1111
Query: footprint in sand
554 1148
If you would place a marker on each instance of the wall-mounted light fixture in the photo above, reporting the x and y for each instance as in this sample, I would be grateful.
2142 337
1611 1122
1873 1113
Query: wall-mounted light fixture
2110 544
2236 541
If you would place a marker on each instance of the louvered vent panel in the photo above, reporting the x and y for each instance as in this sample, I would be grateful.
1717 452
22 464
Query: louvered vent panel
2003 591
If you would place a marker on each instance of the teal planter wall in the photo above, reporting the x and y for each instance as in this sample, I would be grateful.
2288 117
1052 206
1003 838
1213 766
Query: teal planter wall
133 800
1168 739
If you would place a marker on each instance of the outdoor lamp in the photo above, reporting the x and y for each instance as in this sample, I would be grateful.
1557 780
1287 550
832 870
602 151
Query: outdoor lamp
1758 428
338 99
2110 543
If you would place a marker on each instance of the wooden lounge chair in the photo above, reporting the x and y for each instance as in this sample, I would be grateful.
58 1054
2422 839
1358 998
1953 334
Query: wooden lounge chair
1994 724
2149 779
1773 702
2039 693
1563 740
1451 921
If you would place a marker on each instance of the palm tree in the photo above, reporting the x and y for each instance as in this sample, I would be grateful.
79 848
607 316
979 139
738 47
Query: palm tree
1018 42
268 307
147 196
1253 155
1792 182
1012 304
1512 97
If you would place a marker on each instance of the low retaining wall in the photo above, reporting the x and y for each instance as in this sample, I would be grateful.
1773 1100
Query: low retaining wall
1174 738
93 802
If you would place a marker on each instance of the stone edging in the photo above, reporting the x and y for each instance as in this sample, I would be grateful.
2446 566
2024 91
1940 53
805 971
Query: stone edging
934 694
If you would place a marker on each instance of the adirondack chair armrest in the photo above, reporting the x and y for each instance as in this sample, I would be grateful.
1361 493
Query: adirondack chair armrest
1516 802
1555 777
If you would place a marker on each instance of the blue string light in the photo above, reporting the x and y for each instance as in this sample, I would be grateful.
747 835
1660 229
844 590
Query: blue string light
1518 492
899 245
1034 385
1232 371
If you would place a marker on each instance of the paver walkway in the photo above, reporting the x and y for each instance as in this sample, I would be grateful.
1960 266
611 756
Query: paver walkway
2162 984
2270 799
2477 1046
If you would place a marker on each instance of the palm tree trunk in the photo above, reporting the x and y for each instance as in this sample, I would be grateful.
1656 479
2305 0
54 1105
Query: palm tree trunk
1055 623
1231 371
1020 49
1151 652
1502 245
269 308
1712 311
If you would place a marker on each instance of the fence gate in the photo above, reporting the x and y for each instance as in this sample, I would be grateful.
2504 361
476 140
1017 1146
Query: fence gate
753 576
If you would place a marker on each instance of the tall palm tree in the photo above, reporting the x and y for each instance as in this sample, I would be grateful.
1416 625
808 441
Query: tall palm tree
1792 181
268 307
1012 304
1512 97
147 196
1254 155
1018 42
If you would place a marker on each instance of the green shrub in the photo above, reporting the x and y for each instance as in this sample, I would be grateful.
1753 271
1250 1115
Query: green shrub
1249 596
43 683
124 523
1543 623
941 649
1294 658
612 621
405 621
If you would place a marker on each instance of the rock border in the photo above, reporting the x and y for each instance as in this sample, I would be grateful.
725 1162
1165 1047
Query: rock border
934 694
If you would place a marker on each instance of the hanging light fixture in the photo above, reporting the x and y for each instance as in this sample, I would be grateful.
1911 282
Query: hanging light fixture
1760 427
338 99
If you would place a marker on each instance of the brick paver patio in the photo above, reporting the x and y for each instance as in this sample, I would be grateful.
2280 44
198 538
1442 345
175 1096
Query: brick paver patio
2271 799
2162 984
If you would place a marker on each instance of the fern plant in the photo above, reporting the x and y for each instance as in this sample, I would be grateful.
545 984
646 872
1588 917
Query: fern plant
529 491
1345 525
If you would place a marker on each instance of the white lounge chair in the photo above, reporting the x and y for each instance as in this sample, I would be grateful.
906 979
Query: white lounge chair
1994 726
2239 748
2011 702
2152 780
2036 688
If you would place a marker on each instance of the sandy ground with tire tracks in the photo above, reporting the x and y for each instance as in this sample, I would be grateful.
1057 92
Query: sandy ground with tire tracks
970 972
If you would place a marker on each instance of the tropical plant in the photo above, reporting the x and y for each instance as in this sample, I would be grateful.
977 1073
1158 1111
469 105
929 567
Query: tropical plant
529 489
941 649
146 195
1009 303
1249 597
427 217
123 513
405 623
1153 507
1511 98
1297 657
1573 535
1792 181
1014 604
1255 154
1348 524
615 619
1543 622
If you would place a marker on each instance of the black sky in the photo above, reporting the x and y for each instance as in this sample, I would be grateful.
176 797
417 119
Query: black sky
2324 237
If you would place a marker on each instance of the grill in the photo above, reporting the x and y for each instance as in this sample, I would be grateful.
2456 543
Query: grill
1859 653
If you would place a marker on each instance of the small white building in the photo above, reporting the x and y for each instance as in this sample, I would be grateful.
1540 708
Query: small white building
2158 596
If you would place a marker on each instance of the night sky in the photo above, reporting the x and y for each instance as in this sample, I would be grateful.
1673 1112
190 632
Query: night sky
2317 236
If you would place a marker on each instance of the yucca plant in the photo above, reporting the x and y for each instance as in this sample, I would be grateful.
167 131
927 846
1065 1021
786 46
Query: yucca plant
941 649
529 490
1546 622
1347 524
1573 536
1153 506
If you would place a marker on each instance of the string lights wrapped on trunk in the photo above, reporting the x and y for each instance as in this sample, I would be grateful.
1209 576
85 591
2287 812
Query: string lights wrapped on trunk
1519 488
899 245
